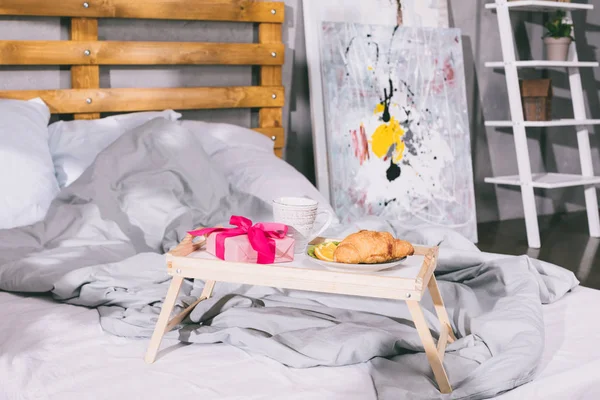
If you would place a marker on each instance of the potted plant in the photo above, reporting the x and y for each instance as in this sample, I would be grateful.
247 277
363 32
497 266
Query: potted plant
558 38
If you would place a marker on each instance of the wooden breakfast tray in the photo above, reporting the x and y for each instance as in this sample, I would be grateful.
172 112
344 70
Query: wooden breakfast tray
407 283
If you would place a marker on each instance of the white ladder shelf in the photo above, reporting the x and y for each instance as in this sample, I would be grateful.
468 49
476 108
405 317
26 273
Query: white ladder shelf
525 179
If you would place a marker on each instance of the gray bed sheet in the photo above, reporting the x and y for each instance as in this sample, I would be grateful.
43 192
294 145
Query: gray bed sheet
103 241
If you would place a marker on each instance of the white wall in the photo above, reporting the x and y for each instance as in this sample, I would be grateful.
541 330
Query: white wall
493 149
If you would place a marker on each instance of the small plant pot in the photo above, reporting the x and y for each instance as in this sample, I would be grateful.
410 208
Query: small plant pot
557 49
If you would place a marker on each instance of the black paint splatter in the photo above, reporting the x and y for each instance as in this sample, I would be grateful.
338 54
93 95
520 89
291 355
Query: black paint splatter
393 172
410 92
386 102
369 43
389 58
349 45
389 201
376 52
407 112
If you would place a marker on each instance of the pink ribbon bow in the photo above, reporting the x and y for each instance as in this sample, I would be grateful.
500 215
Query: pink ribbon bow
260 235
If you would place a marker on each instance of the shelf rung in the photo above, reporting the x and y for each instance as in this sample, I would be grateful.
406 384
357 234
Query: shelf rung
547 180
545 64
542 6
542 124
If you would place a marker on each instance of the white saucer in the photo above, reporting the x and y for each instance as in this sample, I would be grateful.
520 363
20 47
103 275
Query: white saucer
341 267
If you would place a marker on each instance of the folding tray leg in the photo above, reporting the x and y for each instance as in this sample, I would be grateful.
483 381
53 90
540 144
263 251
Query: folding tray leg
430 348
443 341
163 318
440 308
206 293
164 325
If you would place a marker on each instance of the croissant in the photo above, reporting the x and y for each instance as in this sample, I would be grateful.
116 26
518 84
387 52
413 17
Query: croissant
370 247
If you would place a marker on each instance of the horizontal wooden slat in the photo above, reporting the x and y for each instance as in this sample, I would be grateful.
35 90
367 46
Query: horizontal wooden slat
62 52
277 133
207 10
70 101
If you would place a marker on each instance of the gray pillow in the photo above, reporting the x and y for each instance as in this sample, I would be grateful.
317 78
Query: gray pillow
75 144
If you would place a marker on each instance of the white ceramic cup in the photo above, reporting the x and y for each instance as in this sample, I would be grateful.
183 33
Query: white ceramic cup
300 214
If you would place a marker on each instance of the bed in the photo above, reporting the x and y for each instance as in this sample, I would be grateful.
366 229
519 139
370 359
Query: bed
54 350
59 351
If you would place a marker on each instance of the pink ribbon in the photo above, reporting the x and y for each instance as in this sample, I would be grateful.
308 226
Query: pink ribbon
260 235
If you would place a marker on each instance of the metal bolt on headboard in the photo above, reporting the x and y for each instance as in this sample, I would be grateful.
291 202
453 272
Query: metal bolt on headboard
274 96
88 100
86 5
273 138
273 11
87 52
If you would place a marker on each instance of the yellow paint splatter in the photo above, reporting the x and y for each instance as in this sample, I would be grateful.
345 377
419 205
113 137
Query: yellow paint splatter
370 68
379 108
385 136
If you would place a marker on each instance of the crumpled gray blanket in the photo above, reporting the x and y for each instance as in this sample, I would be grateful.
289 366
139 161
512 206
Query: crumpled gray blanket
102 245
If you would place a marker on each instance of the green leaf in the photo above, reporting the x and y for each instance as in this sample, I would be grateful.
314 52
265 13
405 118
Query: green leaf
556 28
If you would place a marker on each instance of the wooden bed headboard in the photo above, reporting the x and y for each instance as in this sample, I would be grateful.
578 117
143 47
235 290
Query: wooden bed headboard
85 53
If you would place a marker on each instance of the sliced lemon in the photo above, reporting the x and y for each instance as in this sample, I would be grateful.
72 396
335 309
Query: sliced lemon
325 251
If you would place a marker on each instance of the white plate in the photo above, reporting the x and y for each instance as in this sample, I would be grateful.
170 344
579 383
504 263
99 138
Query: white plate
341 267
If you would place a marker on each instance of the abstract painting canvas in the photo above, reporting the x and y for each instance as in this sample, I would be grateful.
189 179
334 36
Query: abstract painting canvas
429 13
397 125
